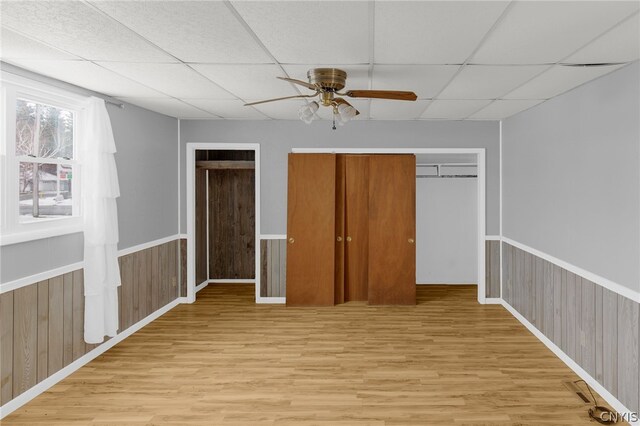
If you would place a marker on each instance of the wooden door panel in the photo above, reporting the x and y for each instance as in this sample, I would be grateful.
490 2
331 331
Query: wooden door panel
357 227
392 230
311 209
340 234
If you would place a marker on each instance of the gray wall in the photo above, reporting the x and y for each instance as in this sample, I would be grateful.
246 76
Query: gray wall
571 177
276 139
446 231
148 206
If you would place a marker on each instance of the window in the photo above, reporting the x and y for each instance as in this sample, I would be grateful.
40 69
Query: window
40 161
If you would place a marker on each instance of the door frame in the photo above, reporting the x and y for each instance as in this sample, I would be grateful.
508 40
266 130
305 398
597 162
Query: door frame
190 159
481 181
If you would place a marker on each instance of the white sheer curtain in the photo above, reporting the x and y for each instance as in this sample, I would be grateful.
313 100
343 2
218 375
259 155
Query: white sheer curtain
100 189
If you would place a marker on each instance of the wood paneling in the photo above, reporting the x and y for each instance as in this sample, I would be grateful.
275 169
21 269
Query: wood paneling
357 228
446 361
231 224
392 230
201 226
273 268
311 229
492 268
42 325
6 347
183 267
594 326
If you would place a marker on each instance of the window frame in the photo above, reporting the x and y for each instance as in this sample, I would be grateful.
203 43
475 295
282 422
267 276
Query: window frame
12 230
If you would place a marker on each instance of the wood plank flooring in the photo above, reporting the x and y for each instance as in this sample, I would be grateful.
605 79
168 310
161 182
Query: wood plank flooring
225 360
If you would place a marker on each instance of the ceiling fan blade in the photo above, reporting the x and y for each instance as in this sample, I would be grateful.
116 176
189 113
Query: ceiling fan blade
383 94
342 101
279 99
300 82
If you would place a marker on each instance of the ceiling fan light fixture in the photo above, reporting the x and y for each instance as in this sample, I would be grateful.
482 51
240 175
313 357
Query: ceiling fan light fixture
346 112
306 112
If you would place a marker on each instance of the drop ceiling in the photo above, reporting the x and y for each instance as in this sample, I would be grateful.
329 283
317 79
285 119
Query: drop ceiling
476 60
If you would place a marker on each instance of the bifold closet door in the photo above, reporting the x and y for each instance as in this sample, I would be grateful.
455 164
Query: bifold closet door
311 227
392 230
356 227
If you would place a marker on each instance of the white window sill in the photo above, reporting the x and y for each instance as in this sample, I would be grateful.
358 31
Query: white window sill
38 234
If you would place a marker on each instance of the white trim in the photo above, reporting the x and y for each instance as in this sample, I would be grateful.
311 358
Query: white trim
481 182
41 276
597 279
190 155
183 236
492 238
199 287
231 281
206 216
47 383
45 275
500 205
273 237
604 393
271 300
150 244
446 283
493 301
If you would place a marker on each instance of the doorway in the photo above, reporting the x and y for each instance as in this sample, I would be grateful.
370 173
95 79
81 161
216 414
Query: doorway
223 215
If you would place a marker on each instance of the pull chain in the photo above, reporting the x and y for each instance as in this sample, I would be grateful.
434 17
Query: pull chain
334 122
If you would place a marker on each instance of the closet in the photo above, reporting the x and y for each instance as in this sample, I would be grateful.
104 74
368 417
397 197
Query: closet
351 229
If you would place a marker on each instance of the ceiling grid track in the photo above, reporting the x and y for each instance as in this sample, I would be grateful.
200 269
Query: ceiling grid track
96 8
250 31
561 61
372 50
466 61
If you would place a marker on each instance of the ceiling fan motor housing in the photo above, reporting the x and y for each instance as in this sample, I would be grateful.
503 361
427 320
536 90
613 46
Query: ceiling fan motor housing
330 79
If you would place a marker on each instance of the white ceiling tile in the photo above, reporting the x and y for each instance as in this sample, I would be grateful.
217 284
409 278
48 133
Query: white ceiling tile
425 80
88 75
281 110
397 110
488 82
558 80
357 75
431 32
169 106
17 46
79 29
540 32
621 44
303 32
453 109
229 108
248 81
194 31
504 108
362 105
176 80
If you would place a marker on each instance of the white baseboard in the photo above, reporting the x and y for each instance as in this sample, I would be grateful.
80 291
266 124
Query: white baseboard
595 385
232 281
271 300
447 284
44 385
202 285
493 301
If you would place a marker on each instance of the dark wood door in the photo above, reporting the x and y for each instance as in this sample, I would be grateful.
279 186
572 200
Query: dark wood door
341 183
392 230
311 229
357 227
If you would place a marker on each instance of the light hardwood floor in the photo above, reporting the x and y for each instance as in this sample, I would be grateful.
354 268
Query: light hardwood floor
224 360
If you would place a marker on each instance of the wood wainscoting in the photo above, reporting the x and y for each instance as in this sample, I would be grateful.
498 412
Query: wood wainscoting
492 269
42 324
594 326
273 267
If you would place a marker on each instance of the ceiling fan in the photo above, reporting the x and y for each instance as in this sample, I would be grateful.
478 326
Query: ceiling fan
326 83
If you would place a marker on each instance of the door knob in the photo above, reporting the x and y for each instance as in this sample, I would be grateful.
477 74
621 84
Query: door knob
348 239
411 241
291 240
339 239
